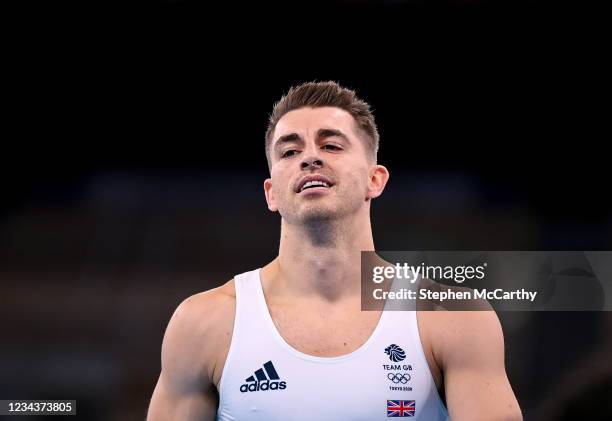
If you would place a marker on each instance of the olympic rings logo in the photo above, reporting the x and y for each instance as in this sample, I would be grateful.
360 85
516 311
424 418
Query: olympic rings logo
399 378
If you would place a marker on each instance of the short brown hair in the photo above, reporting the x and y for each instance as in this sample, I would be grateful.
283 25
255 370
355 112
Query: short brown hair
325 94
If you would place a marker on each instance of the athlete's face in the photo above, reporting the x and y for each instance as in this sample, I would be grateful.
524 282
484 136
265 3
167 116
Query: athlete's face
320 168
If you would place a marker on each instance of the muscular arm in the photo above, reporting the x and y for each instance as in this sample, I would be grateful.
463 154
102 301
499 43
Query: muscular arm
185 390
471 352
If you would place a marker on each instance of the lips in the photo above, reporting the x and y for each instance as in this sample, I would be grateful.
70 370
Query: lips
313 181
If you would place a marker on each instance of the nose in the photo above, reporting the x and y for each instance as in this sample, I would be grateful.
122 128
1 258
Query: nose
311 162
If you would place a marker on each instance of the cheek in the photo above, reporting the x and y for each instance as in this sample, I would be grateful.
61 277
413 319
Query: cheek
357 180
361 175
280 184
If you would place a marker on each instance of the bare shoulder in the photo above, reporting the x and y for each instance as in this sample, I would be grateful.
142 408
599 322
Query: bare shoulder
198 333
205 308
456 337
453 327
206 312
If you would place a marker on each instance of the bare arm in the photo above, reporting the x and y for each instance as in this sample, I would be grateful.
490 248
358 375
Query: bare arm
185 390
472 357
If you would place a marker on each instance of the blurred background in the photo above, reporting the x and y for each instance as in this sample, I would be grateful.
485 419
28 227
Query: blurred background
133 163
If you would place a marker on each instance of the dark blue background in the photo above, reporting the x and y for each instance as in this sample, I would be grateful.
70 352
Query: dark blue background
133 163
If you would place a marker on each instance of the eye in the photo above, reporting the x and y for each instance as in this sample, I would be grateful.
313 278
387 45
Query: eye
289 153
332 147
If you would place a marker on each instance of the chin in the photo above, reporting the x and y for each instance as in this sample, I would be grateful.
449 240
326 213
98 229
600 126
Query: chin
314 217
319 211
319 214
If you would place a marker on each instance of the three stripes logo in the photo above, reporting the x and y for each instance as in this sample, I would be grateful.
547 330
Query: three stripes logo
265 378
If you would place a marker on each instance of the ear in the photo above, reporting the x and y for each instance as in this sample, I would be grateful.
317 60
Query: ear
379 175
270 199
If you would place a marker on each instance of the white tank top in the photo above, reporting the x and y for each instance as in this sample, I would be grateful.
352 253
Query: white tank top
265 378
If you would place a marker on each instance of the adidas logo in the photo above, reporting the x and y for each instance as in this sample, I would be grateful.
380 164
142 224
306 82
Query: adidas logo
265 378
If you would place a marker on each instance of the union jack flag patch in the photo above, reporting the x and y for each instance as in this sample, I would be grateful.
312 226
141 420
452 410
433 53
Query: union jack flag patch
400 408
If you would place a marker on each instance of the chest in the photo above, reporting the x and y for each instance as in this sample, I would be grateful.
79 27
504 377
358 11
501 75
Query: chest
266 380
324 332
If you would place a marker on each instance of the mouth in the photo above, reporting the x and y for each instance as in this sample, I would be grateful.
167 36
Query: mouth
313 184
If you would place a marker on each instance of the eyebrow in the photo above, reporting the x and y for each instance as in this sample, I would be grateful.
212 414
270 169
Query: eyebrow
288 138
321 134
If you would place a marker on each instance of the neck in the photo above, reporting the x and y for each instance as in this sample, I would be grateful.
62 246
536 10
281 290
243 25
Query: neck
322 259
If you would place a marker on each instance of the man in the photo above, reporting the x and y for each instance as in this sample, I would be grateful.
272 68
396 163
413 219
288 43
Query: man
289 341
